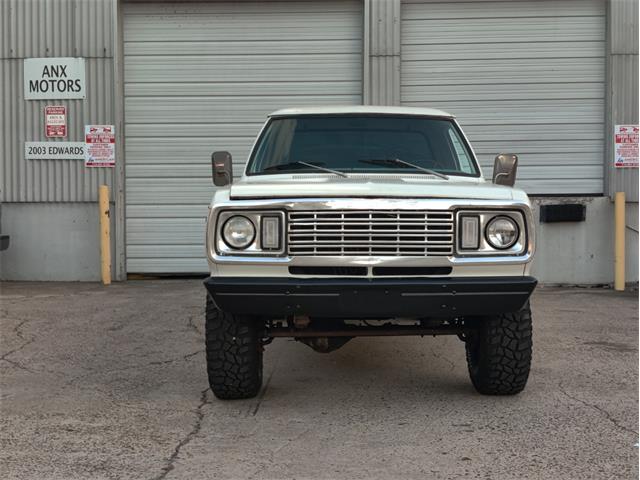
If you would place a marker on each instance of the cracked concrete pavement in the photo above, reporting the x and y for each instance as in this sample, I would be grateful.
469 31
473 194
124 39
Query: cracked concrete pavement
109 383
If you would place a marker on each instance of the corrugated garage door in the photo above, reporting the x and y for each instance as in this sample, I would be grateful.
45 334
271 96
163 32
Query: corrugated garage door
521 76
202 77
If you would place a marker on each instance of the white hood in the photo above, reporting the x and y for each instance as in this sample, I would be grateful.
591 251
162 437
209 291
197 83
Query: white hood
372 186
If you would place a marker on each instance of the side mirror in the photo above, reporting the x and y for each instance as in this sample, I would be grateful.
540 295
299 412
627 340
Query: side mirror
222 169
504 169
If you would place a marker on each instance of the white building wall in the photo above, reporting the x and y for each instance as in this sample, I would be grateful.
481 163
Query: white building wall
49 207
47 28
58 241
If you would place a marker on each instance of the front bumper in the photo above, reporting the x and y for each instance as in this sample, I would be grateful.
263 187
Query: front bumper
277 297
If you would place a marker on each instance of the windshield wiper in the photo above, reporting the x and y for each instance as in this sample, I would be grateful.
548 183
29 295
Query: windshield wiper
397 161
283 166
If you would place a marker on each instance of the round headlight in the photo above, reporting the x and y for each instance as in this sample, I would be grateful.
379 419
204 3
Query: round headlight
502 232
238 232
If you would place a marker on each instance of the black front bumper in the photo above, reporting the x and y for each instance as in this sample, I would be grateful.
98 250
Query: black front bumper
370 298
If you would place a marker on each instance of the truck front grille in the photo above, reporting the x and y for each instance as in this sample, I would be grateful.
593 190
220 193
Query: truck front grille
370 232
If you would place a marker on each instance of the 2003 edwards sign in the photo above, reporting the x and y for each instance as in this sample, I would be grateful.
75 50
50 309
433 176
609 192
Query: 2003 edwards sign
54 150
54 78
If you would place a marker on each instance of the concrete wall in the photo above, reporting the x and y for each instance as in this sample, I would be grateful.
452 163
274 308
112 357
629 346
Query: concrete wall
52 242
581 253
59 241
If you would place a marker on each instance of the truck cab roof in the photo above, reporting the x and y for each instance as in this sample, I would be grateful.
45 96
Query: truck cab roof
361 110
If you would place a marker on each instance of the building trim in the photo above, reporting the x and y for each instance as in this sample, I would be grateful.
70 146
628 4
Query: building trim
119 181
381 80
621 90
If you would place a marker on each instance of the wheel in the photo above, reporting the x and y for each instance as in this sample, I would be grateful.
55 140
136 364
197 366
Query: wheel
234 353
499 353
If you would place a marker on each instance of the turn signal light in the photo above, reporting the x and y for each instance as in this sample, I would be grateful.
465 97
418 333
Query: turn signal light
470 232
270 233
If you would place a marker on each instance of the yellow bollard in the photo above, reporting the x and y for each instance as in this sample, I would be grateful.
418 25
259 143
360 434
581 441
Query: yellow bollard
105 235
620 222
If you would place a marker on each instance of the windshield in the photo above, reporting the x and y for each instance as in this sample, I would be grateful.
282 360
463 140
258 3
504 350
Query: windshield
362 144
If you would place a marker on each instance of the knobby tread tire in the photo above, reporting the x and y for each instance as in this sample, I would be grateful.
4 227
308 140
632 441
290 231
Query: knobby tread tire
234 354
499 354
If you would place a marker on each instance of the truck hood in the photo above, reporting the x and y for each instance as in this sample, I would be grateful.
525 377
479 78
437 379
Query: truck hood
373 186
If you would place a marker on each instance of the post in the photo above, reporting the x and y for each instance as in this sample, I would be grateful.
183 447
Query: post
619 281
105 234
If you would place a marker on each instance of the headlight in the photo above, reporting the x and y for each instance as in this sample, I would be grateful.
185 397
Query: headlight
246 233
238 232
502 232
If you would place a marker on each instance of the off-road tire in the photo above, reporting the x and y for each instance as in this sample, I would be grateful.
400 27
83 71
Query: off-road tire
499 353
234 353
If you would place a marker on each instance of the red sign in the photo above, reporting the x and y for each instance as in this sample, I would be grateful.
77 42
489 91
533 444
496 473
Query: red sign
100 143
626 146
55 119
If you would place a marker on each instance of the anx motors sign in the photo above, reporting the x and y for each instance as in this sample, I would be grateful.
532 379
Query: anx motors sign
54 78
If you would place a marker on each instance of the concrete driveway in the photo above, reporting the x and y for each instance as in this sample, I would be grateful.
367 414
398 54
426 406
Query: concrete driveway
109 383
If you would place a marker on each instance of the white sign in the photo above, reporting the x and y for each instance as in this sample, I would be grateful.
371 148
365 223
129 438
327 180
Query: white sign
626 146
54 78
100 146
55 121
54 150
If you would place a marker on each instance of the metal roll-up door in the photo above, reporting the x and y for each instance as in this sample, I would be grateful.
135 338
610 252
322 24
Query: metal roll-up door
201 77
521 76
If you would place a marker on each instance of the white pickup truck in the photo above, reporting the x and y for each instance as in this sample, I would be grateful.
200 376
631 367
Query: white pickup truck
367 221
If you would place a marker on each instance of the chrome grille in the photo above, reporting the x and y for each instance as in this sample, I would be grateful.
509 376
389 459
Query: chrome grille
370 232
